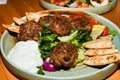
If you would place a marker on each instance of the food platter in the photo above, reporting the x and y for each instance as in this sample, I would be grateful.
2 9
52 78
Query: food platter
80 72
98 10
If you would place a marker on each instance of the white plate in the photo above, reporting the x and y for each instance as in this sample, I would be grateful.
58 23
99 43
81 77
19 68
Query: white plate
97 10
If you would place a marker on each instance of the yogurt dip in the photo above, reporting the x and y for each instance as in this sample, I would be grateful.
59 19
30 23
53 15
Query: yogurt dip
26 55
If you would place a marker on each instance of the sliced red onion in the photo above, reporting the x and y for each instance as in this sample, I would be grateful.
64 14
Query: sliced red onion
48 66
18 37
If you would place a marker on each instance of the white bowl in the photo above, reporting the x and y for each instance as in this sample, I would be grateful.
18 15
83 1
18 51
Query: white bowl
97 10
81 72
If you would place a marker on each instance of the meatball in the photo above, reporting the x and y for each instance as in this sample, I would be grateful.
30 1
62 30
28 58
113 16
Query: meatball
60 26
63 55
29 31
81 23
46 19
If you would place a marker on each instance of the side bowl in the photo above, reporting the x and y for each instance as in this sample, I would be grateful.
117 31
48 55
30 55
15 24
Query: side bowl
97 10
81 72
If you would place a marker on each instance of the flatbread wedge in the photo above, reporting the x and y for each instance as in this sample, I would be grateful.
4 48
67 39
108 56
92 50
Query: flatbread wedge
103 42
102 60
12 28
99 52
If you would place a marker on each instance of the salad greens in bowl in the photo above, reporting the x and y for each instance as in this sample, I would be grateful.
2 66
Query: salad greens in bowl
61 45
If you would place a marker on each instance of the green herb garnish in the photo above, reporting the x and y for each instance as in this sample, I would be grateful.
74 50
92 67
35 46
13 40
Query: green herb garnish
40 71
112 32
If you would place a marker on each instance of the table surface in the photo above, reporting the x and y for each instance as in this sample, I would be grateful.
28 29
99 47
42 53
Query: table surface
18 8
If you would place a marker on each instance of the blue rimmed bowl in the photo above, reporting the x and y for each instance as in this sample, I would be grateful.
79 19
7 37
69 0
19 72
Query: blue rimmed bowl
80 72
98 10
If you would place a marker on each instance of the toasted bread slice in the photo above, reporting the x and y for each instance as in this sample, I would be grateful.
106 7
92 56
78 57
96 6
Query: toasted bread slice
103 42
35 16
12 28
98 52
102 60
18 20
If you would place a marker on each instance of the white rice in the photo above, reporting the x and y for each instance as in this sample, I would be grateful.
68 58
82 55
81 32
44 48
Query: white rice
26 55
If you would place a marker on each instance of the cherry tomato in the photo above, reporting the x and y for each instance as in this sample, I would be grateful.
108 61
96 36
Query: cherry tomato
79 4
101 1
105 32
57 15
58 1
93 21
73 17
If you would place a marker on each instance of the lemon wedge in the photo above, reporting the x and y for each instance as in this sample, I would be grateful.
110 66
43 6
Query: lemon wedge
97 31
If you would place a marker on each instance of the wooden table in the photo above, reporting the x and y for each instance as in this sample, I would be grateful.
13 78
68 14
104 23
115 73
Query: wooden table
19 7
